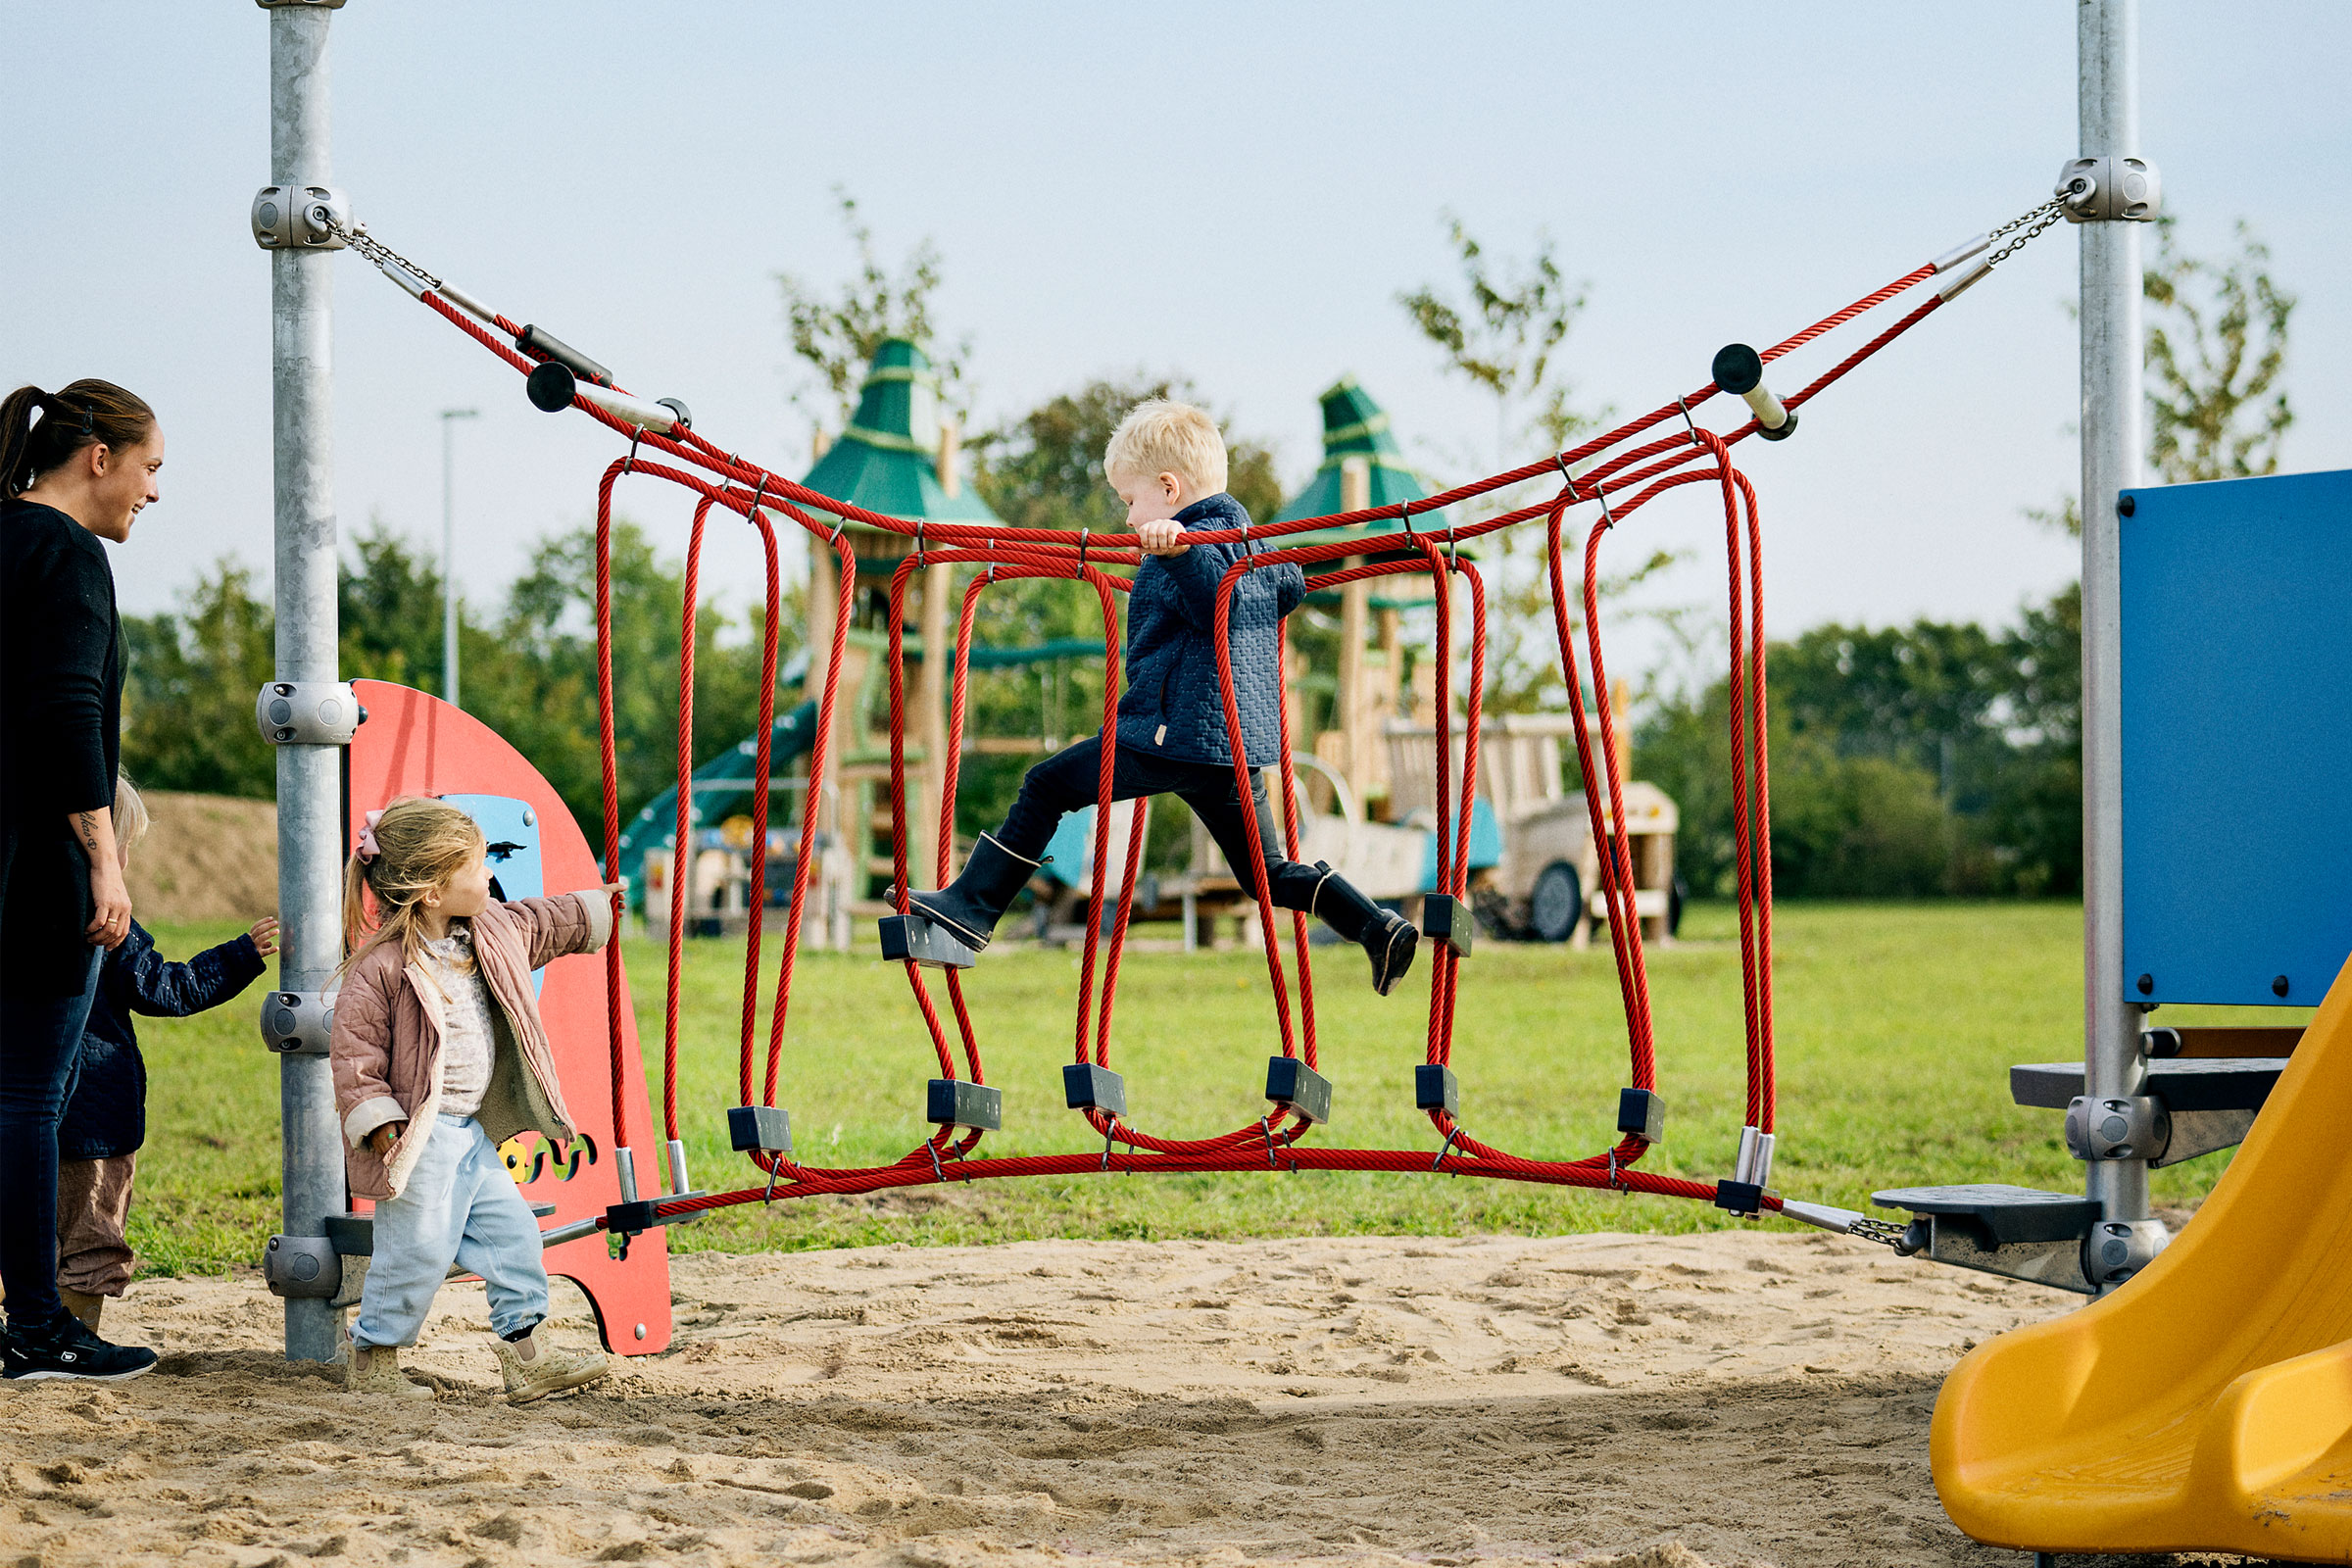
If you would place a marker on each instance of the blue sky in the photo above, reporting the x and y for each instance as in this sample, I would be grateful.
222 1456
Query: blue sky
1232 191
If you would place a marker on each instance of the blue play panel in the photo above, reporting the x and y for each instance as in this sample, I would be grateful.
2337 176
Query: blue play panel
511 828
2237 740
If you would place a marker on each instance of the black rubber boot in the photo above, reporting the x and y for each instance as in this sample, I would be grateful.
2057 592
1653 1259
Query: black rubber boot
1387 938
970 907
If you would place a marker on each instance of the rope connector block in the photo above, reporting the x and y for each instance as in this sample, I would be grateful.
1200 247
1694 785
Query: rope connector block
1744 1199
1298 1089
1448 922
761 1129
1642 1114
1435 1088
962 1102
1087 1087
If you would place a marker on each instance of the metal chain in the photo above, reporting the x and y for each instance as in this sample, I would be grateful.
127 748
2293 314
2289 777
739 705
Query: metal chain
2035 220
2033 223
2026 217
1882 1232
356 235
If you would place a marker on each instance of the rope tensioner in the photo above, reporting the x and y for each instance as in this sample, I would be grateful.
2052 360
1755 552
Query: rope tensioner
1619 477
1739 370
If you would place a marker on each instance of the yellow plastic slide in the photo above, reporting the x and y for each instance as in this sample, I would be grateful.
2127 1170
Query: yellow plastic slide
2207 1404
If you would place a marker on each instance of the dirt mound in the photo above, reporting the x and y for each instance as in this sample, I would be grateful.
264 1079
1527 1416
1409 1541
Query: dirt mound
207 857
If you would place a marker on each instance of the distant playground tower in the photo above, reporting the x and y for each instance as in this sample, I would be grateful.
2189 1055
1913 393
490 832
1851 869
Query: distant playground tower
1363 467
897 456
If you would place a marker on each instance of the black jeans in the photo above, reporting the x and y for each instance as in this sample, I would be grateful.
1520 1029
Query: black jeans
40 1041
1068 780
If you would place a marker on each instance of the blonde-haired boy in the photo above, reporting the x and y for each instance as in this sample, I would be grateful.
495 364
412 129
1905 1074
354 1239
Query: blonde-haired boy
1167 462
105 1117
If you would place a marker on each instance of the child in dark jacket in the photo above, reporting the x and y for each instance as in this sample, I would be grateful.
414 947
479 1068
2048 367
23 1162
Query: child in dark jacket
105 1118
1167 462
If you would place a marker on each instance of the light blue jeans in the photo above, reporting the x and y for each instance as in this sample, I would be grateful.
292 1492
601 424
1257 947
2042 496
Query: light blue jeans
461 1206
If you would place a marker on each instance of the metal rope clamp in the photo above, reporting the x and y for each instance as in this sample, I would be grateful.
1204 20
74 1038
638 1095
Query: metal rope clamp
307 712
301 218
298 1023
2121 190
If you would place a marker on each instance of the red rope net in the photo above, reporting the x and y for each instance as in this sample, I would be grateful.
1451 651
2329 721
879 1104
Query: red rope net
1612 476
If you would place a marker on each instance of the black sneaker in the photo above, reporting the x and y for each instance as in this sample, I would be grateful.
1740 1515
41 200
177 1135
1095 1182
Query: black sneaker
67 1349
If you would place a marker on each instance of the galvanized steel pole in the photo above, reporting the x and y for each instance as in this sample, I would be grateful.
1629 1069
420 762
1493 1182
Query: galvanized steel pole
310 778
449 553
2107 54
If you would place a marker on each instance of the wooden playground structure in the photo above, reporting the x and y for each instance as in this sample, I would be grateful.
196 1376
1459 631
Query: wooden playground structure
1365 721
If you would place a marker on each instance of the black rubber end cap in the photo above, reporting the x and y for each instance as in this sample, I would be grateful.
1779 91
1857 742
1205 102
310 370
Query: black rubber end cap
551 388
1739 369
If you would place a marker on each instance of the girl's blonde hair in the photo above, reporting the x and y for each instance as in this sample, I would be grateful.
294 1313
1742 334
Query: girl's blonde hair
130 817
421 842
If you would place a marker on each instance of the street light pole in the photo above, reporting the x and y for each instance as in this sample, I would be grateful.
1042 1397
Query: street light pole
449 552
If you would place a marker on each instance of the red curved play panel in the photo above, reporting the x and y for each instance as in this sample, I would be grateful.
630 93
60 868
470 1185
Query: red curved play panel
416 744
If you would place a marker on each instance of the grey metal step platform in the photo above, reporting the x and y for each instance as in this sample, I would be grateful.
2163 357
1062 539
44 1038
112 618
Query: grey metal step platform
2019 1232
2183 1083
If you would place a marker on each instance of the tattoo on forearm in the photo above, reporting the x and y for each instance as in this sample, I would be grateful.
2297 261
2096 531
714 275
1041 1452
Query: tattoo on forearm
87 822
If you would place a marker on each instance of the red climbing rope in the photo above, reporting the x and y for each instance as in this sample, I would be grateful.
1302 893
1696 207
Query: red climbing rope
1614 474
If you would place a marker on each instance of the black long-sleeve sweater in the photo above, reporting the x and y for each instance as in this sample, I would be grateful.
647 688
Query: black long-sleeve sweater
61 721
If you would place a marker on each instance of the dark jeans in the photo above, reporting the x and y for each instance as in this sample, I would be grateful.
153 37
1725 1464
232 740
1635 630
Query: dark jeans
40 1040
1068 780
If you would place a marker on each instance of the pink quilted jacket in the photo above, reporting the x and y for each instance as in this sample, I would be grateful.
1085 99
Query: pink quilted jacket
386 1044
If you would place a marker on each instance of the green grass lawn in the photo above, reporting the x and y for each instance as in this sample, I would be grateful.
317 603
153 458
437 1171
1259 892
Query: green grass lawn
1896 1026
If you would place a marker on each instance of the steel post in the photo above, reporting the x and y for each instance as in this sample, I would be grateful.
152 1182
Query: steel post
449 553
2107 68
310 778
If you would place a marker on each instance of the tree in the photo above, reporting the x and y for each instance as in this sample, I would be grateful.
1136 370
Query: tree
544 701
2216 352
836 336
1933 758
1504 334
1503 337
193 674
2217 347
192 677
389 614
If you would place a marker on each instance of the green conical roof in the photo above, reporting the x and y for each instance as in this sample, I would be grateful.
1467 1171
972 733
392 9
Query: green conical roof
1356 427
887 458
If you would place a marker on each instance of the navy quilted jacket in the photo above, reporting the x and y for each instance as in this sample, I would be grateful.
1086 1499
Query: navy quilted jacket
1173 706
106 1110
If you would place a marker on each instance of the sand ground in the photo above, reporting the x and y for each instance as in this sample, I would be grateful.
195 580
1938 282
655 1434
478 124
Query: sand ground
1740 1398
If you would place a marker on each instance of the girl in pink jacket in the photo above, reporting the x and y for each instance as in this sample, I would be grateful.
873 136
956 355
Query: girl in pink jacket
439 1056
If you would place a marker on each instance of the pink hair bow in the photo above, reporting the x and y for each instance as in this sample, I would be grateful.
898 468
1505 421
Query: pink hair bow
369 848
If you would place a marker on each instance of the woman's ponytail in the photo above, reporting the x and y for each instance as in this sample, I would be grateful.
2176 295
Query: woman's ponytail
86 413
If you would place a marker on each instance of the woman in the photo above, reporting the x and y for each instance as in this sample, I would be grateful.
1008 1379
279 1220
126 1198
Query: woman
75 468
